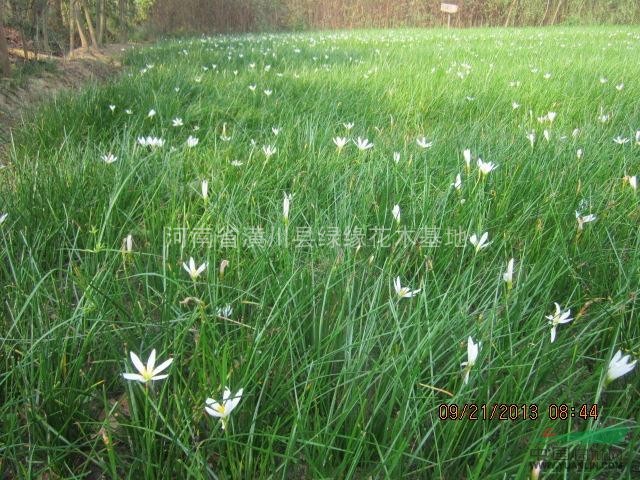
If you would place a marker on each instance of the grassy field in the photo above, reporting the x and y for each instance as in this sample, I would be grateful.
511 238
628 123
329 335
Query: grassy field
297 243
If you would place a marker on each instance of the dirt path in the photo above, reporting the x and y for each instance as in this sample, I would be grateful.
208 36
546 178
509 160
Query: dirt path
70 73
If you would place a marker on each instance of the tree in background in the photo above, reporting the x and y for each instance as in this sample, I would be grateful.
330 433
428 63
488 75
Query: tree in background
5 65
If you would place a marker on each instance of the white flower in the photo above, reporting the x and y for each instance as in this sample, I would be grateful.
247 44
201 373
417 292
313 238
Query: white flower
348 126
472 356
546 134
457 184
222 411
3 217
404 292
340 142
556 319
253 87
619 86
547 76
603 80
223 266
579 153
535 471
192 270
109 158
269 150
224 136
621 140
508 275
467 158
584 219
128 111
225 311
396 213
632 180
177 122
127 244
486 167
151 141
149 372
422 142
480 244
268 92
236 163
204 189
604 118
276 130
575 133
286 204
396 157
112 108
515 105
363 144
531 136
152 113
192 141
619 366
638 137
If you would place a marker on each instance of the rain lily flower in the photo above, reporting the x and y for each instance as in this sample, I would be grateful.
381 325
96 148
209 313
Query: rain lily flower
286 203
396 213
225 311
154 142
177 122
619 86
3 217
531 136
109 158
467 158
348 126
269 150
422 142
486 167
508 275
204 189
112 108
340 142
223 266
224 137
604 118
472 356
363 144
276 130
556 319
638 137
151 114
546 134
515 105
575 133
457 184
128 111
236 163
192 270
480 244
621 140
579 153
149 372
222 411
586 219
396 157
619 366
127 244
603 80
404 292
535 471
253 87
268 92
192 141
632 180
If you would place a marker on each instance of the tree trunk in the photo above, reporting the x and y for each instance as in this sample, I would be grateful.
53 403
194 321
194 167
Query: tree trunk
5 64
46 47
102 21
122 22
76 16
87 16
72 25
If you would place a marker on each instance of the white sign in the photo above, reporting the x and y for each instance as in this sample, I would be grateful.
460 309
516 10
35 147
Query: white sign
449 7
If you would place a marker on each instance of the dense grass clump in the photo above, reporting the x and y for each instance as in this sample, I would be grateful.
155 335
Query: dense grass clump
297 244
